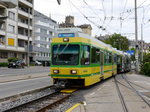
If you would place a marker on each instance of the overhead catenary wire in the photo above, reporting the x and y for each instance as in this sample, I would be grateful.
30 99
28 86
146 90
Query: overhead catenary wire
98 26
92 9
121 15
131 10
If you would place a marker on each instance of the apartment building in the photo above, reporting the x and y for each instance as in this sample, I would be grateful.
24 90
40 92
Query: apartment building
17 30
44 30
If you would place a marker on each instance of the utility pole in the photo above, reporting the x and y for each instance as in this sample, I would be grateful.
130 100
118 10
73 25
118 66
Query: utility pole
136 39
28 43
59 2
141 42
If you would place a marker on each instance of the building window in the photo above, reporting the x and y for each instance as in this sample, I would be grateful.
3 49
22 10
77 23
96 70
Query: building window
11 15
51 33
11 28
43 31
43 38
3 55
2 41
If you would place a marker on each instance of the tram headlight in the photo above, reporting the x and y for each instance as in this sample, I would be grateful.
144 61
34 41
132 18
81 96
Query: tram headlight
66 39
56 71
73 72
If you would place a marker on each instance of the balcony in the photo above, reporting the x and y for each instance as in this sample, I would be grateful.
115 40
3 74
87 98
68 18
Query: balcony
22 49
24 13
26 2
23 37
23 25
9 3
40 49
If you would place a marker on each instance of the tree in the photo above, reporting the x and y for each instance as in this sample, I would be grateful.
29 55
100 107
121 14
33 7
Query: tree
118 41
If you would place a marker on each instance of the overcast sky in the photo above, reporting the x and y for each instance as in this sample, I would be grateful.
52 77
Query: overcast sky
116 16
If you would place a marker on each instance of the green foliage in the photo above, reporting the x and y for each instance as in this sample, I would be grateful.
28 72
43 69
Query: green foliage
118 41
146 69
3 64
12 59
146 58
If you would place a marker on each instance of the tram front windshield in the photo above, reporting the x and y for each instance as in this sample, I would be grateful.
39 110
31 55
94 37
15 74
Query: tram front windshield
65 54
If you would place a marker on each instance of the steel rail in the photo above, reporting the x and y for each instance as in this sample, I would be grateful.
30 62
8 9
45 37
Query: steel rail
136 84
137 92
120 96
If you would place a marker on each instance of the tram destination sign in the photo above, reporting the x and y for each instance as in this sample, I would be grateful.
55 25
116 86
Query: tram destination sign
66 35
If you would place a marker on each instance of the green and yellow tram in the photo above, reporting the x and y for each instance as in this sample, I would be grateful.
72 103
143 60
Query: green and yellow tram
78 59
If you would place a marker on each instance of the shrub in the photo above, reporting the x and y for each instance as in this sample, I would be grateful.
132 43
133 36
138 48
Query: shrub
3 64
145 69
12 59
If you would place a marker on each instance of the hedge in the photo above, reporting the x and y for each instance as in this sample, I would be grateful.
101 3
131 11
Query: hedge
3 64
145 69
12 59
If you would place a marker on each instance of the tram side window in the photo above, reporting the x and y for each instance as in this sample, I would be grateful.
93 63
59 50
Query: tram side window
115 58
106 58
110 57
85 58
95 55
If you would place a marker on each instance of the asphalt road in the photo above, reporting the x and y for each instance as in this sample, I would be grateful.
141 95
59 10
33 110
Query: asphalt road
16 87
23 71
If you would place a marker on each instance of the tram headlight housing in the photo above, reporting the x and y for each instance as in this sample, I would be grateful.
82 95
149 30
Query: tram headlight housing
66 39
73 72
55 71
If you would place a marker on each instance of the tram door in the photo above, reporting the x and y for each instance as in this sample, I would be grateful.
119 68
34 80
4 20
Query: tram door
102 62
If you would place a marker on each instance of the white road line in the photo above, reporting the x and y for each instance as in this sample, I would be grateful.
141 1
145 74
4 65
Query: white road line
144 82
99 89
92 93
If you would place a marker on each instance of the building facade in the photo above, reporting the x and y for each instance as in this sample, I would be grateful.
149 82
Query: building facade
16 31
44 28
69 23
86 28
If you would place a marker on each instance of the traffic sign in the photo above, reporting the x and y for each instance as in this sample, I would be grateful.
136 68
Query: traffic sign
131 52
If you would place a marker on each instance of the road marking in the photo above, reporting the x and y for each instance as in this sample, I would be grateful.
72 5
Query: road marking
92 93
144 82
99 89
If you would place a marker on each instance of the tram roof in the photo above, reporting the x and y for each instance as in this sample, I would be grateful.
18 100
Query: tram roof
78 33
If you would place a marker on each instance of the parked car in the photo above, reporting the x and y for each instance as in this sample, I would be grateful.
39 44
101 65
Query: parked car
37 63
16 64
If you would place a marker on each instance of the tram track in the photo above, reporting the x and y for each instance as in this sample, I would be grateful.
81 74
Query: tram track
42 104
124 106
130 86
136 91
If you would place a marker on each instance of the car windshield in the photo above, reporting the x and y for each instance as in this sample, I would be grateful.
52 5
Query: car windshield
65 54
